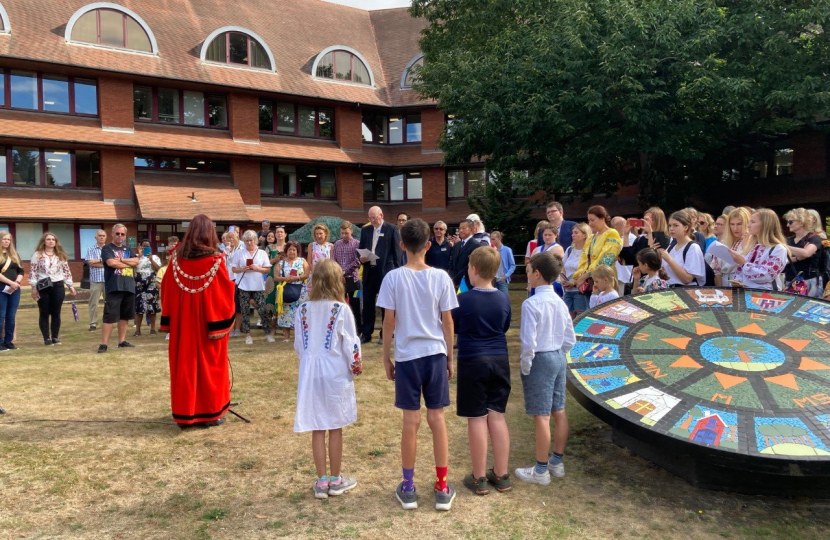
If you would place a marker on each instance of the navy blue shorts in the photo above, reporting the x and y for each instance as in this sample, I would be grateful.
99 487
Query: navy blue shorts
427 375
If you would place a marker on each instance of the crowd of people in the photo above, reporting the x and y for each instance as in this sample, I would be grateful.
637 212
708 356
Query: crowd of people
430 287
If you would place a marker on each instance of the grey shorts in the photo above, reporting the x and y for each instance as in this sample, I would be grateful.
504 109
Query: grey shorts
544 388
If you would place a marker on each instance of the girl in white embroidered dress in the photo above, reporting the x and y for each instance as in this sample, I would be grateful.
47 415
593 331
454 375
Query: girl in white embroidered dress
766 254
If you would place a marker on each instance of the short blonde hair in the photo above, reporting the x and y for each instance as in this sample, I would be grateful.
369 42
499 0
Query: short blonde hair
322 227
486 261
345 225
802 215
606 272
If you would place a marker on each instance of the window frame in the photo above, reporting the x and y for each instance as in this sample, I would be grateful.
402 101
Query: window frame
466 171
182 168
275 120
97 7
154 92
404 124
391 173
296 194
6 73
251 36
79 257
407 69
42 168
353 54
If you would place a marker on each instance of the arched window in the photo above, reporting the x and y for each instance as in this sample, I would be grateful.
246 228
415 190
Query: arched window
343 64
5 27
237 46
409 72
111 25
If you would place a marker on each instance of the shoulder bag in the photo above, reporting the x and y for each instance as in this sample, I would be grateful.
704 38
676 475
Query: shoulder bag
587 288
290 291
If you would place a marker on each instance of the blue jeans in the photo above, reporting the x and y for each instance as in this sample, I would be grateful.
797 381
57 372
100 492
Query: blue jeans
502 286
8 312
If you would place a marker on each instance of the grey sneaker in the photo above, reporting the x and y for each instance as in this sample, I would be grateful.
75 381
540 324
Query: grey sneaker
345 484
529 475
321 492
501 483
557 470
443 500
408 499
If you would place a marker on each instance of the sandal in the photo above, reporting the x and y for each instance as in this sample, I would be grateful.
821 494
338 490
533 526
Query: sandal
137 333
153 332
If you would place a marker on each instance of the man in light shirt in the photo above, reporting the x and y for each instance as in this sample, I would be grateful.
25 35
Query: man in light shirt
96 277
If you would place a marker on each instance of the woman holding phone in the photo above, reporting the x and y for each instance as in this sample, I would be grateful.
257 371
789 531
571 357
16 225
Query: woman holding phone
249 264
146 289
653 231
293 271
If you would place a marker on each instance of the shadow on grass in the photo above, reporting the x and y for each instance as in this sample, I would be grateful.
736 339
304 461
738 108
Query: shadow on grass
50 429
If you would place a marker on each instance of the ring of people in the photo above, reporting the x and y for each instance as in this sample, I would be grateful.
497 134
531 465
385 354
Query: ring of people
734 370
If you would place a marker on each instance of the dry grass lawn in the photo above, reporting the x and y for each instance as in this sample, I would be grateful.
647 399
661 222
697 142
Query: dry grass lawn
89 451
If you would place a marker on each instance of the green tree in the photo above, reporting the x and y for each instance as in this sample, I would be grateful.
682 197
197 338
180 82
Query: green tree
502 208
586 94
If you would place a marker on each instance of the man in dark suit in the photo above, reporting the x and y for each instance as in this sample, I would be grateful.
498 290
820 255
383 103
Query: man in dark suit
460 256
564 228
384 240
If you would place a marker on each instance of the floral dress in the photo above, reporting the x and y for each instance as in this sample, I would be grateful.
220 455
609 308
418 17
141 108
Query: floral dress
286 319
146 288
270 283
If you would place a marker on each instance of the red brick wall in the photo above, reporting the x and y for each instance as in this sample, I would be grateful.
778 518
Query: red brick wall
434 187
245 174
350 188
432 125
809 155
116 98
117 174
244 117
348 121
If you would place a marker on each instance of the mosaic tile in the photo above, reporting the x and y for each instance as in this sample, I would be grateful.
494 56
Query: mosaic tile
698 322
668 369
787 437
711 298
595 328
817 312
662 301
587 351
624 311
766 301
599 380
703 425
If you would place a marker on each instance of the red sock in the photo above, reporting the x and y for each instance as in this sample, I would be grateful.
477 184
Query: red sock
441 475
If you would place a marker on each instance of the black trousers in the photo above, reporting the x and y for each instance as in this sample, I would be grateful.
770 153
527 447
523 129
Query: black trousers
371 288
49 305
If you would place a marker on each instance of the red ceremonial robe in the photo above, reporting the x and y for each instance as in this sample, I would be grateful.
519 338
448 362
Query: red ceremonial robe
199 322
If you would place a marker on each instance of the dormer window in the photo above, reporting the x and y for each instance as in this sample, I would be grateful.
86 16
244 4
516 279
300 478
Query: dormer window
410 72
342 64
110 25
237 47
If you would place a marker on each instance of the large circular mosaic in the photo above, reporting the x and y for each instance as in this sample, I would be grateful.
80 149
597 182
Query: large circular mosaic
733 380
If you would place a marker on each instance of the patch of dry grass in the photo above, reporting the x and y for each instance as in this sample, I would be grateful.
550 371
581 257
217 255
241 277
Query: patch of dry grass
89 451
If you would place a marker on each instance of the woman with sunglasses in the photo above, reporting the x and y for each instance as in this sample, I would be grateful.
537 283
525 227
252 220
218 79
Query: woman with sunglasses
438 255
805 251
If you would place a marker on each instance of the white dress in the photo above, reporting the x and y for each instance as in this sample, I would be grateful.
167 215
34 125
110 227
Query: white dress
328 347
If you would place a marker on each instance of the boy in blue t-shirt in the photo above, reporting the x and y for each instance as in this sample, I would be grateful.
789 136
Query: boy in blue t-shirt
481 320
422 298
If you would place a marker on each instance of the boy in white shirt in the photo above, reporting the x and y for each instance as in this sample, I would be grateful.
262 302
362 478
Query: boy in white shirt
422 298
547 334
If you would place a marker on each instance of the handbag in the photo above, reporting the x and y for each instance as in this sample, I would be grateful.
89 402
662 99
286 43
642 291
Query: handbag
587 288
43 283
798 286
291 291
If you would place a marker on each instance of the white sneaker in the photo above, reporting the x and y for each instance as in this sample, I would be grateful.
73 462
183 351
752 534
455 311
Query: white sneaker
557 470
529 475
249 340
168 337
270 339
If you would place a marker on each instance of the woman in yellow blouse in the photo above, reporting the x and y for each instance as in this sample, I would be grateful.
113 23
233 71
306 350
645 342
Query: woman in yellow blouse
602 249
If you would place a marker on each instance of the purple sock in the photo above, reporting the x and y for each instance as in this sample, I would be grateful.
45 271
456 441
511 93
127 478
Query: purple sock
408 479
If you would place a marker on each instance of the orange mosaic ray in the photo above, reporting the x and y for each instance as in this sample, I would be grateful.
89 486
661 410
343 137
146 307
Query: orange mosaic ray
808 364
787 381
752 329
685 362
703 329
797 344
679 342
728 381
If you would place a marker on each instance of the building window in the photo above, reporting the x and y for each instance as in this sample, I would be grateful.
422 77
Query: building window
5 28
172 106
296 181
391 129
237 48
187 164
463 183
113 26
26 237
410 74
299 120
48 93
342 65
48 167
395 186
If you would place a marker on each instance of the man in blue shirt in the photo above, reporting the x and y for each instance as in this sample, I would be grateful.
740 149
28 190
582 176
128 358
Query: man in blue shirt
507 265
438 254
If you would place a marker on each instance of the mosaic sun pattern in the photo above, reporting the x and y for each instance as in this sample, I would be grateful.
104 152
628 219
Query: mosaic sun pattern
741 371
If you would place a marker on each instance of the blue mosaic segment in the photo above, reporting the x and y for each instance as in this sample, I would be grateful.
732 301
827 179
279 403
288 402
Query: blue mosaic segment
788 437
586 351
590 327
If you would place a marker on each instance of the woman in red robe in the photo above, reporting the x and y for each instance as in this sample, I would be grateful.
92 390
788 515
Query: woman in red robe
198 311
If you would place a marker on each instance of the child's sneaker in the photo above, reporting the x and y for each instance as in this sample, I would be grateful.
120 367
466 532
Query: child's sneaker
249 340
530 475
477 485
501 483
321 490
269 338
444 499
557 470
342 486
408 499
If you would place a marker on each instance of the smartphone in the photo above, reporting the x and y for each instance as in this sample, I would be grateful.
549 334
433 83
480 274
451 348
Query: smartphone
637 223
147 251
661 238
249 262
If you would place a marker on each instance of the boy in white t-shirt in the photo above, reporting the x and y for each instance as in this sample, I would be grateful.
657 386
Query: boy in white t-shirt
422 297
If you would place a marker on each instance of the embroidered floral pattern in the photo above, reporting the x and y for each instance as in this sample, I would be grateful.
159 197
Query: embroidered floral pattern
304 323
763 264
335 311
357 362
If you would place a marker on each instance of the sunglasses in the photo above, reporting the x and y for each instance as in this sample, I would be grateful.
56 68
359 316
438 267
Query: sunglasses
790 221
438 229
119 234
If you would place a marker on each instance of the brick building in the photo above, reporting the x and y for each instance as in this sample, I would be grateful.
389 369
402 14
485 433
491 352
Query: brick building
149 112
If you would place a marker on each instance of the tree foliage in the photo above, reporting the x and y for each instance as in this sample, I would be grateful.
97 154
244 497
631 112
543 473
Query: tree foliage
586 94
501 208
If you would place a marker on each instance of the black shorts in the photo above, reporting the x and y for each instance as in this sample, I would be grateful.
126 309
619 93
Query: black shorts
427 375
483 384
119 306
